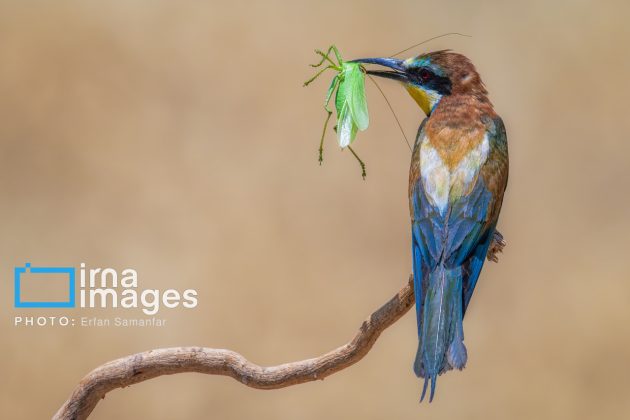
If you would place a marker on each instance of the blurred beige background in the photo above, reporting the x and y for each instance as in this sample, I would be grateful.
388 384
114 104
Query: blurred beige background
176 138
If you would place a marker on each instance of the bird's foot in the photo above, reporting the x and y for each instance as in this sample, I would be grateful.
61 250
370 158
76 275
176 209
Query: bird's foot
496 246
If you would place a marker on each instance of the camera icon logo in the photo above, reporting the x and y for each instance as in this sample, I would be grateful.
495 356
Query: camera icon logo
44 287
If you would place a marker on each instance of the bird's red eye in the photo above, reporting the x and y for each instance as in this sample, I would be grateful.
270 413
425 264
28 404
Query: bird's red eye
425 75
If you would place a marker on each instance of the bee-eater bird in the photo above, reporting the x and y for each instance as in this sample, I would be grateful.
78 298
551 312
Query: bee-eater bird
458 174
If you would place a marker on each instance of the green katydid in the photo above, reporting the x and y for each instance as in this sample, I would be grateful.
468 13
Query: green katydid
350 101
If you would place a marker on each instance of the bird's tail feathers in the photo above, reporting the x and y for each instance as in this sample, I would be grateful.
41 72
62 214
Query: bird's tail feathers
441 342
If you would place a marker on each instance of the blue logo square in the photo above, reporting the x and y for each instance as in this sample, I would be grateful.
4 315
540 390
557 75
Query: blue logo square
19 303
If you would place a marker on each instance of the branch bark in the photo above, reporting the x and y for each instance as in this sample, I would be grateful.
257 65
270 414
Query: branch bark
150 364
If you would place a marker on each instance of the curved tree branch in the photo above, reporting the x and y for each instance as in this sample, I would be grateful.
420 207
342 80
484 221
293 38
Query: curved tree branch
140 367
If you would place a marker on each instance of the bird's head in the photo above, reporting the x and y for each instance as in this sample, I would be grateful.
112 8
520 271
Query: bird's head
430 77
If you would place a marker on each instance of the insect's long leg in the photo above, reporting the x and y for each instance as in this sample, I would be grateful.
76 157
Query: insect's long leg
326 57
336 51
318 74
321 141
331 89
363 174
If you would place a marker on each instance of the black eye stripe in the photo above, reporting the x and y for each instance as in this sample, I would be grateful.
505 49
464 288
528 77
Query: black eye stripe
428 79
422 74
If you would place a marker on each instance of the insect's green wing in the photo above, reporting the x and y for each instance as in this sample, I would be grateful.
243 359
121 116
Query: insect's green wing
346 128
350 102
355 84
341 96
344 117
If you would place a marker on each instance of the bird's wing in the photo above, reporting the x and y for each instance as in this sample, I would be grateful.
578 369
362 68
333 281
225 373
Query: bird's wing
493 176
461 235
423 241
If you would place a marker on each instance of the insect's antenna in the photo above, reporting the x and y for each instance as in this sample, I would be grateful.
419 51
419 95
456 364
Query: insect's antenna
391 109
430 39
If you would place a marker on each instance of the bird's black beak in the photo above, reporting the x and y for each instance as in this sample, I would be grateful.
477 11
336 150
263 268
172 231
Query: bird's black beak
397 72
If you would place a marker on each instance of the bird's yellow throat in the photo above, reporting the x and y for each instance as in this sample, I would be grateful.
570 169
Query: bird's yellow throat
426 99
